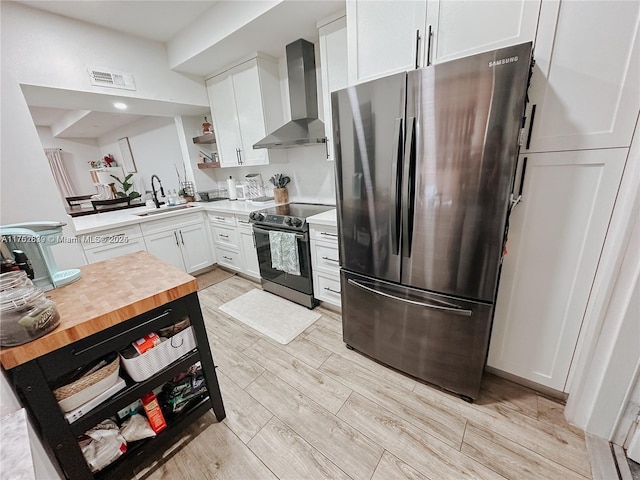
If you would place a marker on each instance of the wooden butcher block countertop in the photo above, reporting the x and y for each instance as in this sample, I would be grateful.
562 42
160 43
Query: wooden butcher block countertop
107 293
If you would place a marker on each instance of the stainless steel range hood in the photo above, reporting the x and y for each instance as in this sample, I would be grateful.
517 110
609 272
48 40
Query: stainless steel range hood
304 128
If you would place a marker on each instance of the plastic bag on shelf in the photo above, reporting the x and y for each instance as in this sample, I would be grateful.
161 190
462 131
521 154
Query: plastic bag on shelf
102 445
136 427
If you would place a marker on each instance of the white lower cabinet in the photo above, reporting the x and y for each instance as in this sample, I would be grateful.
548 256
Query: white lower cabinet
229 258
112 243
180 241
196 251
248 247
556 236
325 263
233 242
166 246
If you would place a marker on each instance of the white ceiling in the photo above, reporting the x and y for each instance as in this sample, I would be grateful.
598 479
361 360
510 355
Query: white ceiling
161 21
151 19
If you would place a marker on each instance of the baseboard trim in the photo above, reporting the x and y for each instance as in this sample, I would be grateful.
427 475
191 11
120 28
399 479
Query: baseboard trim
542 389
603 465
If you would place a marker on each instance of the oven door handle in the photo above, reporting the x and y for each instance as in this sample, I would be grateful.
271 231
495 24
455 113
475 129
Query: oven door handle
260 230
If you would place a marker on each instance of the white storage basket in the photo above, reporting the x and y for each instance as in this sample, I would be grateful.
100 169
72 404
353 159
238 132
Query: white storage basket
155 359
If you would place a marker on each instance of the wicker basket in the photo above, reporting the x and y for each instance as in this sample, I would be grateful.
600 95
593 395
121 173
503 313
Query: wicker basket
86 381
155 359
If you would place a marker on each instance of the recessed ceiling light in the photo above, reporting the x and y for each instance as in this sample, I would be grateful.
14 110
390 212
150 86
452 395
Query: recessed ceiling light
120 105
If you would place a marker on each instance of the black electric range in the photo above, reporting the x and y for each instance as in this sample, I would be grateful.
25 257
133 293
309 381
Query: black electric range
292 216
290 219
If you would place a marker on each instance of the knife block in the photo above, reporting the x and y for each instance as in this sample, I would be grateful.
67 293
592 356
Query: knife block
281 195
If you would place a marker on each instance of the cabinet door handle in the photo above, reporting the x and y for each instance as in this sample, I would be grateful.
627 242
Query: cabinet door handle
176 235
429 41
332 290
533 117
524 171
221 218
328 234
181 237
227 258
417 46
331 259
224 236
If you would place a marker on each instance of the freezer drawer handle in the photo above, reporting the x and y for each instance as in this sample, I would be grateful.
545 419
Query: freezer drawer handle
457 311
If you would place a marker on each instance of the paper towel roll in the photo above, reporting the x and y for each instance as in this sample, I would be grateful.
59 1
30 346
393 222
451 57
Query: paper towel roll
231 186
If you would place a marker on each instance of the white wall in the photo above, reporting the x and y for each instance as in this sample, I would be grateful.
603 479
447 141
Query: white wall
43 49
607 366
215 24
204 179
155 149
76 156
312 176
54 51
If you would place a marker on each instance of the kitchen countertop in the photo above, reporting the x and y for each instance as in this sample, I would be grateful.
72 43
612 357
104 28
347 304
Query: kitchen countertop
15 455
324 218
93 223
107 293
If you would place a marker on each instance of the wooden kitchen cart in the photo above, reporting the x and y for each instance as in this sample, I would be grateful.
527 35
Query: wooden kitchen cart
114 303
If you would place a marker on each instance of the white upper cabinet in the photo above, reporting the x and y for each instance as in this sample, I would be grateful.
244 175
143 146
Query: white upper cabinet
556 236
383 36
460 28
225 120
334 69
246 105
585 86
386 37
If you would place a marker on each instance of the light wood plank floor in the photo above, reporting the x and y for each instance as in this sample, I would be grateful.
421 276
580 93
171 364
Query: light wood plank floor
314 410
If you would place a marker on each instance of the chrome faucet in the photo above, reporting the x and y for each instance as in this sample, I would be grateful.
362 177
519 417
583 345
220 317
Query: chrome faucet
155 194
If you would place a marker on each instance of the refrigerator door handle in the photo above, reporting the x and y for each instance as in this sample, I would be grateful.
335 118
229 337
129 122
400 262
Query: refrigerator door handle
396 182
408 191
457 311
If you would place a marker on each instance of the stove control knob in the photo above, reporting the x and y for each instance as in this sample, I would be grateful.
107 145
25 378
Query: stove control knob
288 221
297 222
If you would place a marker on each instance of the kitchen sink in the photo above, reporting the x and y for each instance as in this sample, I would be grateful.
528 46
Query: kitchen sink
163 210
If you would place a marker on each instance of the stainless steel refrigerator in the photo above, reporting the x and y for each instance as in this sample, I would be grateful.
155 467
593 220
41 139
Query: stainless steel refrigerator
425 166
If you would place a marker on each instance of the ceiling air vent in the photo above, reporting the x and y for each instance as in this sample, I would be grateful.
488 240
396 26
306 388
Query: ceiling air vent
103 77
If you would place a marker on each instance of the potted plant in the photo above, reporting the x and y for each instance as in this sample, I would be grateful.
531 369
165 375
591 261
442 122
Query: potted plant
126 186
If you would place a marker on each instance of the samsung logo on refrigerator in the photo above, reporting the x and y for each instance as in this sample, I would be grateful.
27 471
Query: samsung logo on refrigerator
502 61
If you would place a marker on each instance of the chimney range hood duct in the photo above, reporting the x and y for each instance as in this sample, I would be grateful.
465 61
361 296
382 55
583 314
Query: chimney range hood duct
304 128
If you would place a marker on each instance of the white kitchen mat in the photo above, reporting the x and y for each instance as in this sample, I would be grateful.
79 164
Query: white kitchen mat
271 315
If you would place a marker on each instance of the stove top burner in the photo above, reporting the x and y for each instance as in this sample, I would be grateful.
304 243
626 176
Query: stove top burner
290 216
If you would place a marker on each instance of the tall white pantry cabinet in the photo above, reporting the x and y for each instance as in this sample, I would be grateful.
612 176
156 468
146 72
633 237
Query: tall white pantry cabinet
583 105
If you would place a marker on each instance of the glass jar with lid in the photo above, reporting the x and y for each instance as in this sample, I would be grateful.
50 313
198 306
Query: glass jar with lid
14 279
25 315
